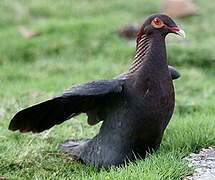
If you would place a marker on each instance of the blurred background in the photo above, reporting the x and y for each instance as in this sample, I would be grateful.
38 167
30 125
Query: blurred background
48 45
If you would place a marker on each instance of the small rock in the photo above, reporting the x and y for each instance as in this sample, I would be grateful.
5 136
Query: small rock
129 31
179 8
205 162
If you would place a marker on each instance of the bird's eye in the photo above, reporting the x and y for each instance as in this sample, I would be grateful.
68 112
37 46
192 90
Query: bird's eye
157 23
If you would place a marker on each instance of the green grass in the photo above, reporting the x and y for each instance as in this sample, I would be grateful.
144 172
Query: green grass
77 43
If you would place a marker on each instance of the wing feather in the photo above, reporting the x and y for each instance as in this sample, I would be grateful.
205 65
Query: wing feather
78 99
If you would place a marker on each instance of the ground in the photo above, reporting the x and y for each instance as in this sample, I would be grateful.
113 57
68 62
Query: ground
77 43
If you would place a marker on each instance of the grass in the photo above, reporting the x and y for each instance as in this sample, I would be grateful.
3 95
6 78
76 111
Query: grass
77 43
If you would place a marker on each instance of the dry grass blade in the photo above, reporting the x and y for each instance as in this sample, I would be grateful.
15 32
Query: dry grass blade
28 33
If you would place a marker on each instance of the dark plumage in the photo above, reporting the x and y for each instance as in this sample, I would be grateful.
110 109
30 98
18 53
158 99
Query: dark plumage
135 107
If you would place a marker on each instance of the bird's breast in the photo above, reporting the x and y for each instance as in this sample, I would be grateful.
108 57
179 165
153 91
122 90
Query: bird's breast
160 95
152 97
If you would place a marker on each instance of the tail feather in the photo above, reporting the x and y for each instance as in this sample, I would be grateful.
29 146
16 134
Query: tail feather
74 147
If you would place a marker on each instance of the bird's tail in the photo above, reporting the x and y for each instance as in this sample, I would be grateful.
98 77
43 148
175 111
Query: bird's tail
74 147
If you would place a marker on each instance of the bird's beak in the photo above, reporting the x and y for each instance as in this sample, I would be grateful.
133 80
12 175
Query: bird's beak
178 31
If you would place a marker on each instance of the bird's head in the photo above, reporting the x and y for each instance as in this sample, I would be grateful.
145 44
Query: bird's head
160 23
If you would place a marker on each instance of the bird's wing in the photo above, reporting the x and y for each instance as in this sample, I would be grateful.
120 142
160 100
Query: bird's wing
174 73
80 98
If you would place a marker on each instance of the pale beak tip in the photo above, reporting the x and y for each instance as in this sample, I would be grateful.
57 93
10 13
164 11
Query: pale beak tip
181 33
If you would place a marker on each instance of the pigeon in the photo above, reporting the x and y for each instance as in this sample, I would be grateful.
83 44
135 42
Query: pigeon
134 107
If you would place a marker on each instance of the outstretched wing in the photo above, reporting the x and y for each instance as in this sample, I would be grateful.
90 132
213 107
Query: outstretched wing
84 97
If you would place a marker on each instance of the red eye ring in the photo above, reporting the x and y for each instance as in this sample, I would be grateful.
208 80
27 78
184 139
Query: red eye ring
157 21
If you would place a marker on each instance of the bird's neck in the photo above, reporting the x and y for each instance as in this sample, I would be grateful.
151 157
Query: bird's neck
150 55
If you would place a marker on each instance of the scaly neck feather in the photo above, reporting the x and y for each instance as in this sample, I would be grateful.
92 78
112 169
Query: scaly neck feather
142 49
149 50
